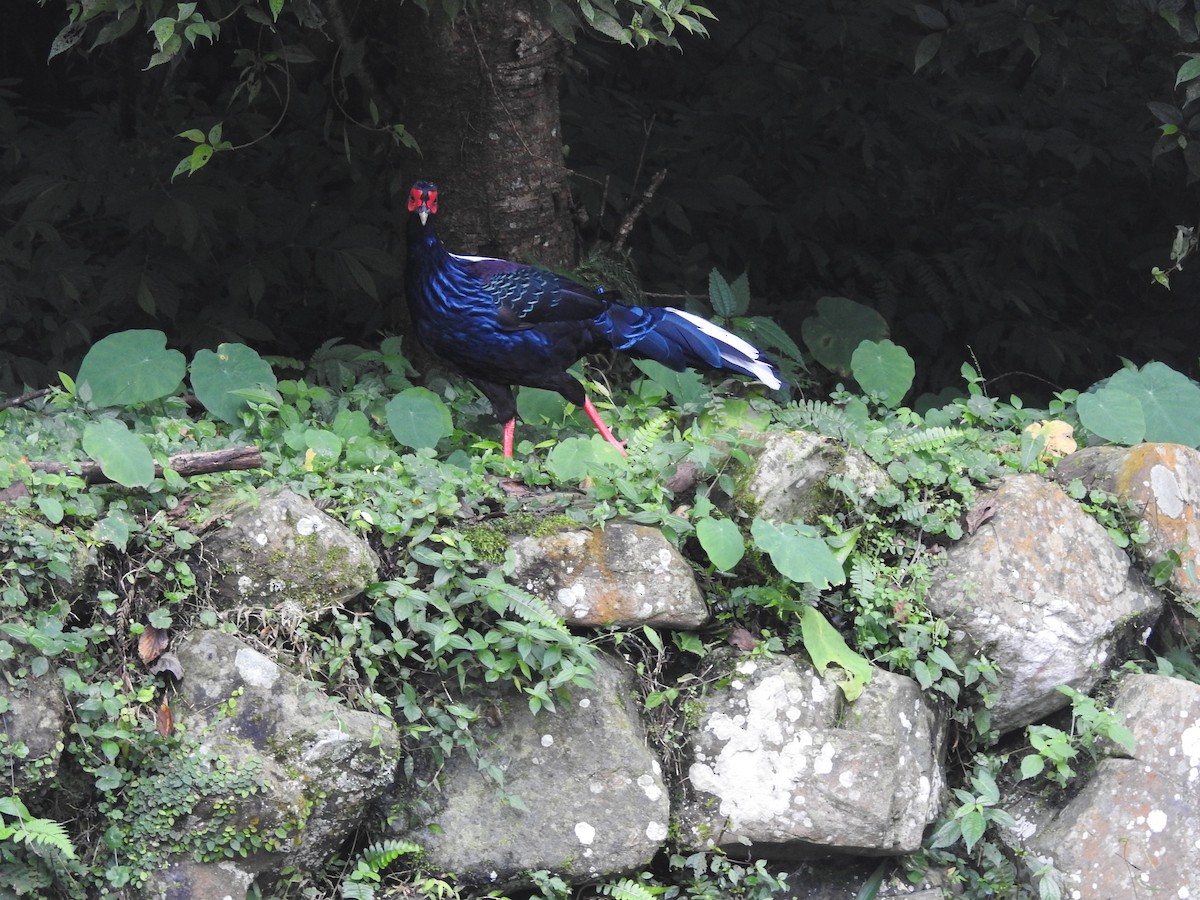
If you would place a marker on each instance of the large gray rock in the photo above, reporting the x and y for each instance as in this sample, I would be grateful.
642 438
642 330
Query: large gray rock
621 574
788 477
1134 828
1041 590
1162 482
784 764
319 765
34 719
283 552
592 798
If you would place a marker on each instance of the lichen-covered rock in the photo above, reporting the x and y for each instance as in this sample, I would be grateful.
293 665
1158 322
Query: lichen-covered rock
622 574
1163 483
186 879
35 717
285 552
787 479
592 801
782 762
1133 829
320 765
1041 590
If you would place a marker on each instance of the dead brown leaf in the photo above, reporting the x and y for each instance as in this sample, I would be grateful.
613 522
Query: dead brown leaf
152 643
164 719
981 512
742 639
168 662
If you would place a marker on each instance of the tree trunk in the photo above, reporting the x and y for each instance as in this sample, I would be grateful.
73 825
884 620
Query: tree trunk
483 105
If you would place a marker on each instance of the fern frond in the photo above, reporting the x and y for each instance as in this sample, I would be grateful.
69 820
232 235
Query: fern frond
648 434
382 854
529 608
913 510
356 890
927 438
625 889
39 834
823 418
862 579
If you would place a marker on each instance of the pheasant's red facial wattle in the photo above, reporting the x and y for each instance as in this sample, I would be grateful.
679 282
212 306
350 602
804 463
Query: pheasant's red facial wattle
423 201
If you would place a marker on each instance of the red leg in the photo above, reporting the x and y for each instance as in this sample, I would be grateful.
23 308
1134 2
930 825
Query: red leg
510 429
600 426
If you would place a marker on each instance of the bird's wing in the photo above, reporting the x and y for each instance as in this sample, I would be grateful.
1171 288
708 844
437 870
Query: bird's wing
526 295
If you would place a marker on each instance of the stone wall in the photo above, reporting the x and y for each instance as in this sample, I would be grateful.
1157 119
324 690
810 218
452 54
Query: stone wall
775 761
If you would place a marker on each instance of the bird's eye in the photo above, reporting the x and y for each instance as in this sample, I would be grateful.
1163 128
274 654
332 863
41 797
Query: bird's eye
414 199
432 201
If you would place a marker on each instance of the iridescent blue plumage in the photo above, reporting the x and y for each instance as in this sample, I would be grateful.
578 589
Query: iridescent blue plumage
501 323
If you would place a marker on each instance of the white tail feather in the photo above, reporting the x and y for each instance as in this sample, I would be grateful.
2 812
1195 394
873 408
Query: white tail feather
744 354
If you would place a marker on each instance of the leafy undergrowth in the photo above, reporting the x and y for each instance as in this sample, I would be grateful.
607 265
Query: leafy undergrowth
98 573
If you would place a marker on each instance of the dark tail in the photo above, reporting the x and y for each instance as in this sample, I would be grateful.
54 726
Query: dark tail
680 340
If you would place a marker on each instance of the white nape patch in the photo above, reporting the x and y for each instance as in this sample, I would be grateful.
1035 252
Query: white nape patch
474 259
753 360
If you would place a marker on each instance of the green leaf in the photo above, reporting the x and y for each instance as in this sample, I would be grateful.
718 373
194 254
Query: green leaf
825 646
883 370
418 418
653 637
769 333
740 288
217 375
973 827
200 157
1032 766
985 787
576 457
838 327
930 17
1170 402
325 445
163 29
805 559
1188 71
122 457
276 9
131 367
927 49
539 407
1112 414
687 387
689 642
108 778
115 528
722 541
728 300
1119 734
51 508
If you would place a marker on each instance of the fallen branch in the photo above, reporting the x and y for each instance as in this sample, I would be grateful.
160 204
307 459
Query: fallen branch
23 398
198 463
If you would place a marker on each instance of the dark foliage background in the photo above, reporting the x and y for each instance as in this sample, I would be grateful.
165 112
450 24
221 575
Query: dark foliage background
1002 203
